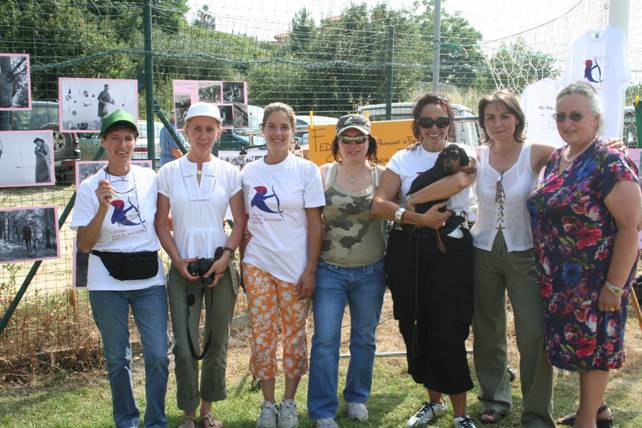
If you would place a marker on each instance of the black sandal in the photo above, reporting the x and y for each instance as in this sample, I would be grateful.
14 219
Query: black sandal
569 419
491 416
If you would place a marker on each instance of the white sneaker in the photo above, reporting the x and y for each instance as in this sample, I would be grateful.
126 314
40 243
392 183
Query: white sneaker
269 415
357 411
288 417
463 422
428 412
326 423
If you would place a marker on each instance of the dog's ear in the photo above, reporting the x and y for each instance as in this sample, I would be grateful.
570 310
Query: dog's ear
463 157
439 163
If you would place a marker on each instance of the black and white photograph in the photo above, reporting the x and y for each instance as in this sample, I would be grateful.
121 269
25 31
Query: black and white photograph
86 169
227 114
239 160
80 268
181 105
26 158
29 233
209 91
84 102
234 92
239 115
15 82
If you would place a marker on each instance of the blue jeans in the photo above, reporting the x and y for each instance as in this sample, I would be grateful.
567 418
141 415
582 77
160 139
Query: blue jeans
362 288
111 313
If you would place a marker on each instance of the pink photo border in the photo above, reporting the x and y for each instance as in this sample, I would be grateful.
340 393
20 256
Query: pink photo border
55 208
52 172
28 82
107 80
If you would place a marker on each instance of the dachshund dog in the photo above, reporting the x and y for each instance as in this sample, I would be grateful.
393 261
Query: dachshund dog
451 160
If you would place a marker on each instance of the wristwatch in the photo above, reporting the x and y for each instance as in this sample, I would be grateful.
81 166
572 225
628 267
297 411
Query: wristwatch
615 290
399 213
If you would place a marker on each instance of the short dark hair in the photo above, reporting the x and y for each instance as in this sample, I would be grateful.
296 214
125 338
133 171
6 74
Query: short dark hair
508 100
118 126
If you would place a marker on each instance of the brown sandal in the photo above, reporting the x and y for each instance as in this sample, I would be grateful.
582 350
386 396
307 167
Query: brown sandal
569 419
208 421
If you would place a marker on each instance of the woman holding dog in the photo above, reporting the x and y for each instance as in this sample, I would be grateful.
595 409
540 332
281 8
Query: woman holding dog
431 291
113 215
504 261
350 271
284 197
197 189
585 218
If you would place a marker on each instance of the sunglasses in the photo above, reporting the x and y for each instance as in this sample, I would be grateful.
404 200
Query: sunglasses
574 116
359 139
428 122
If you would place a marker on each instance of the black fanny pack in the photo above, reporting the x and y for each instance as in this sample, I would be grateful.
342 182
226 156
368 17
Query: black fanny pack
124 266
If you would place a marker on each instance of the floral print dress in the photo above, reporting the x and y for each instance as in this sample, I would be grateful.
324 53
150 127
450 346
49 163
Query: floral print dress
573 234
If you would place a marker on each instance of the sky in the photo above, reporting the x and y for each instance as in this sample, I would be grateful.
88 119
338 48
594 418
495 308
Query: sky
498 20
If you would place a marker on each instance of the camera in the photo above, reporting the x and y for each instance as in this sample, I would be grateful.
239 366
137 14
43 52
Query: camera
200 267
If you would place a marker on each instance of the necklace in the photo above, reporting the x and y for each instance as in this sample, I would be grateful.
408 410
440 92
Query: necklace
569 159
352 178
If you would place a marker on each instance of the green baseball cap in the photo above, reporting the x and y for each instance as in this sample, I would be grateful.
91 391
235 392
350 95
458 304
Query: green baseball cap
117 117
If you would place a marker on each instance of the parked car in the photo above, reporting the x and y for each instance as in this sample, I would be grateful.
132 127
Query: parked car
466 131
44 115
141 149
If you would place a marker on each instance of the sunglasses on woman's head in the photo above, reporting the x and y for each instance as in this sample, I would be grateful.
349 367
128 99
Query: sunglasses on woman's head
574 116
428 122
359 139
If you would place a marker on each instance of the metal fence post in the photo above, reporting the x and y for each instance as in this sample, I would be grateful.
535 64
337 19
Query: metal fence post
436 51
149 81
390 51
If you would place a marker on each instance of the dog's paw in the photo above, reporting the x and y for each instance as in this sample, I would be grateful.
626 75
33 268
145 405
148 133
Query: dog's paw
457 233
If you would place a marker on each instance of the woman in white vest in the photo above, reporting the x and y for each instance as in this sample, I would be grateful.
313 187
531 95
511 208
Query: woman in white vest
504 261
198 188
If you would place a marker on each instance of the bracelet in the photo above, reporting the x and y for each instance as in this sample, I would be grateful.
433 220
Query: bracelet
410 200
224 249
615 290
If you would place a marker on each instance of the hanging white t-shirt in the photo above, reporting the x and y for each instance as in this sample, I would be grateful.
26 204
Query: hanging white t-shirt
538 102
599 58
275 199
128 226
198 210
409 163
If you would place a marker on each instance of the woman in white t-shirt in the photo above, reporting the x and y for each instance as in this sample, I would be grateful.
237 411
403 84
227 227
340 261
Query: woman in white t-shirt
114 218
431 290
504 261
283 200
197 189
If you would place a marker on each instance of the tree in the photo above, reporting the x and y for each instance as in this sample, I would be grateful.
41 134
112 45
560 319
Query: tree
302 31
204 18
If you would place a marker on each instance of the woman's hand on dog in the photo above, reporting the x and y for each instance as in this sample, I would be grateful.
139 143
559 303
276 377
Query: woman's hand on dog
433 218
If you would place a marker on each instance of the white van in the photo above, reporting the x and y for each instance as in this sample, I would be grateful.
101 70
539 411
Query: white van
467 130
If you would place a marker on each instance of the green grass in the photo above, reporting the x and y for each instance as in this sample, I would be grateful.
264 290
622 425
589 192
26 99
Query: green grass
84 401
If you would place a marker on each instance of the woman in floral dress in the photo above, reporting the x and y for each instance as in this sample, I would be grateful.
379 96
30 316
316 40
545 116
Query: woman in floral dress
585 216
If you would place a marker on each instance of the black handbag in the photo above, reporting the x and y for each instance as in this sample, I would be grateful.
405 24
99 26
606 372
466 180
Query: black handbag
126 266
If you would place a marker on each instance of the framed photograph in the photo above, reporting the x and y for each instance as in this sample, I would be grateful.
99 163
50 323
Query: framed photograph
15 82
235 92
80 268
209 91
181 105
239 116
26 158
227 114
29 233
84 102
86 169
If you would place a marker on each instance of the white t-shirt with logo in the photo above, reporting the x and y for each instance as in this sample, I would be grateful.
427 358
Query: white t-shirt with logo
198 210
409 163
128 226
539 102
275 199
599 58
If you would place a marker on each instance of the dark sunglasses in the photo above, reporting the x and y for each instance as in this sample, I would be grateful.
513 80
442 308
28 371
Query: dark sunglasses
428 122
359 139
574 116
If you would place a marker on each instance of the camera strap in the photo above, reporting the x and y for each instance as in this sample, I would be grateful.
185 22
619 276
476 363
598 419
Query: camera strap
191 300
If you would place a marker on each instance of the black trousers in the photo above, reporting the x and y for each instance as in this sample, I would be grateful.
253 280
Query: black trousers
433 301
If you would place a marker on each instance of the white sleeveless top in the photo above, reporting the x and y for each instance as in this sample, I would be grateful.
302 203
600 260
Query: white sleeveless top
509 213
